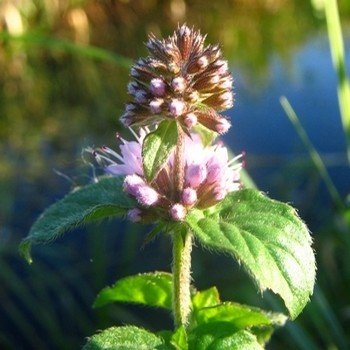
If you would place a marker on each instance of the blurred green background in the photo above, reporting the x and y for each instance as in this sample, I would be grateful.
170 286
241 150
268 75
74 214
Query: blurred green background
64 68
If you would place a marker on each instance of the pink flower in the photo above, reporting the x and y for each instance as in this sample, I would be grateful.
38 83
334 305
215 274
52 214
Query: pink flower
128 162
209 177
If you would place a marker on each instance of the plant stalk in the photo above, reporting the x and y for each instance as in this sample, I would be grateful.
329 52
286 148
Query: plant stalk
182 244
182 247
179 163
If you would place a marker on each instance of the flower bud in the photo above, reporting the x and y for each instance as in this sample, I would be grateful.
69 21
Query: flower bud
178 212
179 84
146 195
223 66
126 119
190 120
189 196
134 215
176 107
140 96
223 126
156 105
157 87
132 183
202 62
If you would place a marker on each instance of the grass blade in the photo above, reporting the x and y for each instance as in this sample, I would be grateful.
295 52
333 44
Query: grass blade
52 43
338 57
314 155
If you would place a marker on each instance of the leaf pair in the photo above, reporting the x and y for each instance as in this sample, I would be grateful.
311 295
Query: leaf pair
213 325
267 237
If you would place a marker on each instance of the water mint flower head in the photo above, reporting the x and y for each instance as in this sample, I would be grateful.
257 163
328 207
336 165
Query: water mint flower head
209 176
181 79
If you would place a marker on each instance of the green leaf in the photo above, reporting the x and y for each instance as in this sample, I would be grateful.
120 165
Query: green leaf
239 316
123 338
99 200
152 289
157 147
268 238
221 336
179 339
157 229
205 298
207 136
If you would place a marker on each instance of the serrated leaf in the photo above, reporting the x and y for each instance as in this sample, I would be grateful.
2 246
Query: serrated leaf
157 147
268 238
221 336
206 298
239 316
152 289
97 201
123 338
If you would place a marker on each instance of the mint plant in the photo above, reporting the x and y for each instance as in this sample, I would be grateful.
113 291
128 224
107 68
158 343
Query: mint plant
176 175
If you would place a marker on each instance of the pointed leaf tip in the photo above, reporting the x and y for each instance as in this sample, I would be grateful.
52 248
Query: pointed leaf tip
24 251
94 202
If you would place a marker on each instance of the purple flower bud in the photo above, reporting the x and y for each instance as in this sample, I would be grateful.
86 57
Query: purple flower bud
190 120
146 195
157 87
134 73
179 84
126 119
156 105
132 88
134 215
189 196
176 107
130 107
202 62
178 212
140 96
195 174
132 183
223 126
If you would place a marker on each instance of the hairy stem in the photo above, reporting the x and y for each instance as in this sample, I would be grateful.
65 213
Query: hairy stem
179 164
182 247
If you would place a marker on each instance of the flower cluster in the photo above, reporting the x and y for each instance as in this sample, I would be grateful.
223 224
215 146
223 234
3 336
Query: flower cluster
209 177
187 83
181 79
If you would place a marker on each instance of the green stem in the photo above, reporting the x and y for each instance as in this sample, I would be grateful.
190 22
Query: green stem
182 247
